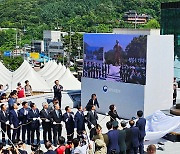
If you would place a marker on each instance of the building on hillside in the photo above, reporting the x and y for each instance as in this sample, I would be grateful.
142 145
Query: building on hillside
132 17
170 23
37 46
53 42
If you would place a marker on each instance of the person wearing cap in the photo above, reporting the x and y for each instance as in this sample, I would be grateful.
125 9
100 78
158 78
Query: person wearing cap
100 146
20 91
113 135
28 89
122 139
128 136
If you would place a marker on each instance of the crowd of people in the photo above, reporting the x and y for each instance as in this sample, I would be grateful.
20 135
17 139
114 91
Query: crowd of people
25 122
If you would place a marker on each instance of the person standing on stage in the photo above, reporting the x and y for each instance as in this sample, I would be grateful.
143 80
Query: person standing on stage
56 117
57 91
92 101
46 122
23 113
14 122
28 89
68 118
92 120
141 123
79 121
4 119
33 116
135 137
113 113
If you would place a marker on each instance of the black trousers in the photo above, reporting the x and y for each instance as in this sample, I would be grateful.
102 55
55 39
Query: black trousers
92 133
16 134
37 130
57 130
59 99
47 131
70 133
6 129
26 129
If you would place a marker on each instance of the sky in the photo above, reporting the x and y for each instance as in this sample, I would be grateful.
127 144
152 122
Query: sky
108 40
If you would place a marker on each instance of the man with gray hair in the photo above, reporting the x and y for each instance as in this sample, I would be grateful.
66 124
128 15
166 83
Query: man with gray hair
56 116
46 122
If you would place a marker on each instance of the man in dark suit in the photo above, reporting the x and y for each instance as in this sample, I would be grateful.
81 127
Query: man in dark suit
92 101
46 122
92 120
128 136
122 141
33 116
135 137
23 113
141 123
57 91
56 118
79 121
68 118
113 136
14 121
4 119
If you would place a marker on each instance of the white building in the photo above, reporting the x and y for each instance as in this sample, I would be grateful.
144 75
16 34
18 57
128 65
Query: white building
53 42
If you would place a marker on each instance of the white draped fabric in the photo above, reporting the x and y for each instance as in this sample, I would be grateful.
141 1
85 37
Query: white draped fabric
158 125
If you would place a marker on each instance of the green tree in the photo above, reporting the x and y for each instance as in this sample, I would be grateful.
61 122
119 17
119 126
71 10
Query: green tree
153 23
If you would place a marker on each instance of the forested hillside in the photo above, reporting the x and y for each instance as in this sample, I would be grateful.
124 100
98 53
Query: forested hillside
34 16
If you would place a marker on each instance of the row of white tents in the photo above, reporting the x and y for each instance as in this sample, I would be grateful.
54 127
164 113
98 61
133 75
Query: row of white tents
42 80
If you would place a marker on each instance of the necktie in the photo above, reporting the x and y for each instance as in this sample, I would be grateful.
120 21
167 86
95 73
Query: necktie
34 111
4 114
57 112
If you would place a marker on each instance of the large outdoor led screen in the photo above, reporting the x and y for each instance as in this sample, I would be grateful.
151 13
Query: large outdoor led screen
115 57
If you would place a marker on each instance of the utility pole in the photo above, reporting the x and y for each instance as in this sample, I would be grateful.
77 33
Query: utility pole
70 47
135 19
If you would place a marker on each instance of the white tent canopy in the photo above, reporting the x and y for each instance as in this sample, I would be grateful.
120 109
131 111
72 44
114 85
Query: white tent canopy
26 72
42 80
69 82
56 75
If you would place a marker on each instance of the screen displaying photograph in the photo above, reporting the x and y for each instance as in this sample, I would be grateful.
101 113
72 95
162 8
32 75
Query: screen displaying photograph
115 57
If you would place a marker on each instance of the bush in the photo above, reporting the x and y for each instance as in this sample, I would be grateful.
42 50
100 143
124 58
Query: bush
12 63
